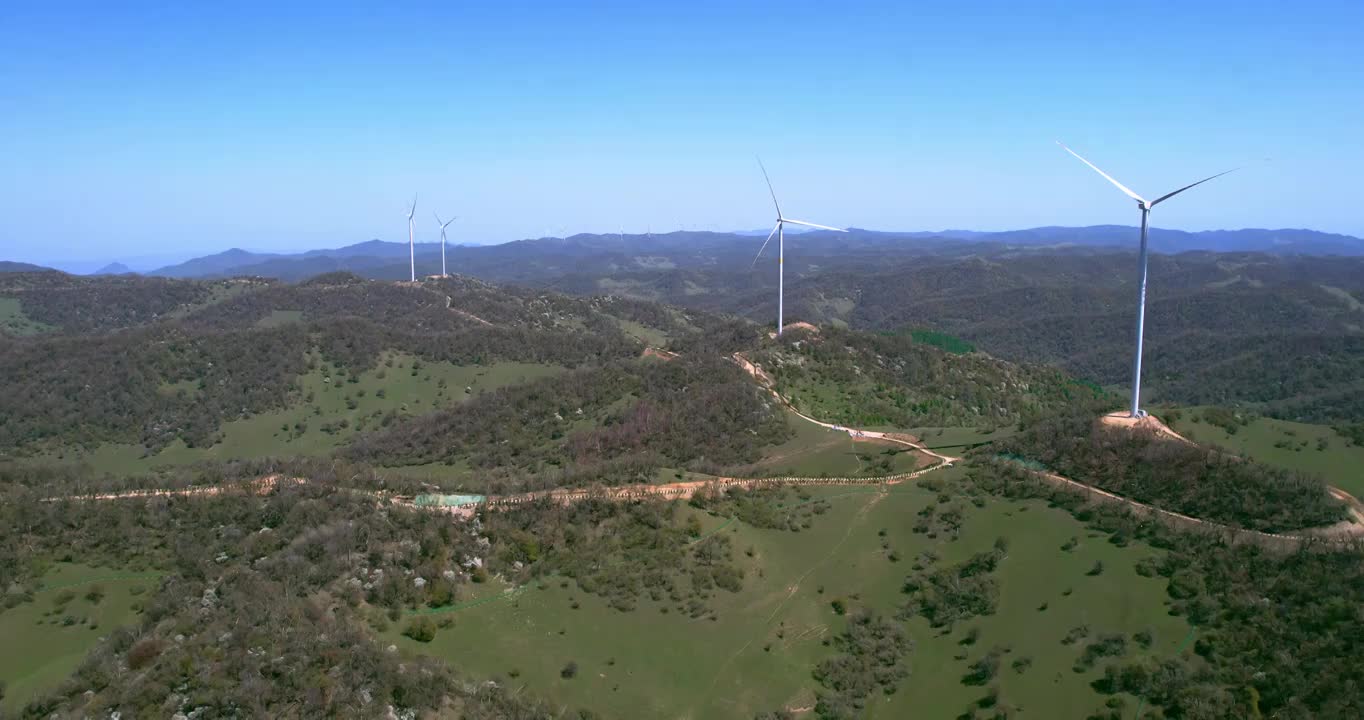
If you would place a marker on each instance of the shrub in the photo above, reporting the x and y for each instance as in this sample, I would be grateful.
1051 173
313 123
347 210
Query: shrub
420 629
143 652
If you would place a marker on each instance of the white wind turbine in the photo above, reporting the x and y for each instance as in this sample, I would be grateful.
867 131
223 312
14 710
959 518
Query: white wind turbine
443 225
779 231
1145 206
412 238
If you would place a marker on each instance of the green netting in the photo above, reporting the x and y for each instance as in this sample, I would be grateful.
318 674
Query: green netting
447 500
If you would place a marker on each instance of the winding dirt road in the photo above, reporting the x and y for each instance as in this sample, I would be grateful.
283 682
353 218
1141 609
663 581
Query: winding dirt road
678 490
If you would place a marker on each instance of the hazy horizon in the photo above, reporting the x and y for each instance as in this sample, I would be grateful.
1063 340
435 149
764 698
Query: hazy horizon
148 263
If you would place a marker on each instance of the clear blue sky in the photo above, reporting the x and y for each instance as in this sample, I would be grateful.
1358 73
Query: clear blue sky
130 129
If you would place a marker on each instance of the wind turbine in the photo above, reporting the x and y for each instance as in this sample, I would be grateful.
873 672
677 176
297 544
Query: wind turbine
412 238
443 225
779 231
1145 206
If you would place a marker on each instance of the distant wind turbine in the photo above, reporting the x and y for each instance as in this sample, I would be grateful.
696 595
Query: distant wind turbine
412 238
779 231
443 225
1145 206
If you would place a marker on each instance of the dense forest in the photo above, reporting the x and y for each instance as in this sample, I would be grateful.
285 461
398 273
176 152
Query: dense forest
1284 335
618 423
179 370
106 303
1144 465
869 380
1277 636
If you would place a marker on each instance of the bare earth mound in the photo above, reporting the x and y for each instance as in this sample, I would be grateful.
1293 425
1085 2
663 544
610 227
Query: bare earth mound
1120 418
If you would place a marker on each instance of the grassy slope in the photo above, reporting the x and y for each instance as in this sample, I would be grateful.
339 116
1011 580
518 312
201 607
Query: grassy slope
1339 463
262 435
815 451
667 665
959 438
40 652
15 322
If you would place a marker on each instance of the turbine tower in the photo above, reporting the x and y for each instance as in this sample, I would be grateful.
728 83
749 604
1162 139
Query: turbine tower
412 238
443 225
1145 206
779 231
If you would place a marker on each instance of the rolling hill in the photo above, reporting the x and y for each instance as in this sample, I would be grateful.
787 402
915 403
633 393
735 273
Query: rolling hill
537 260
304 434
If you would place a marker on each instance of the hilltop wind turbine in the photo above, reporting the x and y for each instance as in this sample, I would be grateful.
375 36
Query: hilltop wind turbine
443 225
779 231
412 238
1145 206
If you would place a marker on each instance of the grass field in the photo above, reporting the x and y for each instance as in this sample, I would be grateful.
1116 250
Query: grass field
1292 445
652 337
276 318
315 427
760 652
815 451
15 322
40 650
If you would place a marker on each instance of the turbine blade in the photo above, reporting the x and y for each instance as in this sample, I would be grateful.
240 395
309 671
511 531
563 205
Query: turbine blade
438 221
769 187
808 224
764 247
1107 177
1167 196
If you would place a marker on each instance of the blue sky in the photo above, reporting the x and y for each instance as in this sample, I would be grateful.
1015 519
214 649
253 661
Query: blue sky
130 130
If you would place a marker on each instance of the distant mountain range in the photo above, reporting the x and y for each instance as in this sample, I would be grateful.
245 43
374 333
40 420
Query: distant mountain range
7 266
532 260
536 261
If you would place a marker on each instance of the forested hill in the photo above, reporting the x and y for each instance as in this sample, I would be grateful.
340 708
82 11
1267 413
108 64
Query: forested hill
152 361
551 389
1280 335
